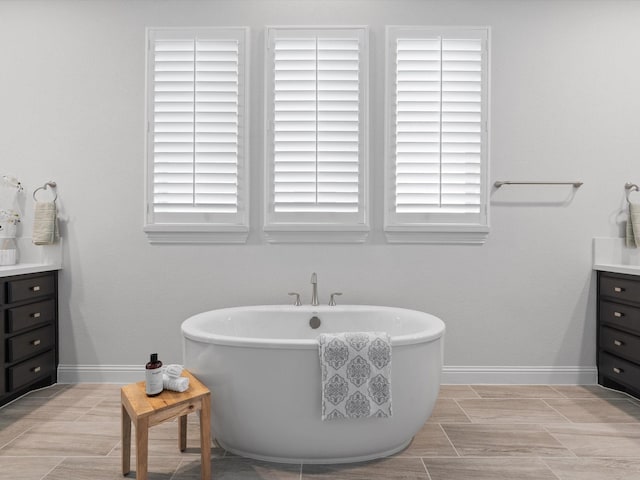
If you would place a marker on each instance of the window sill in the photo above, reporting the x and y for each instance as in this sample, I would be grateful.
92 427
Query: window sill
438 234
196 233
315 234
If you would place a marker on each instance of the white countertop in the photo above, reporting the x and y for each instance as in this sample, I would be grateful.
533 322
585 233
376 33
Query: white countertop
628 269
22 268
611 255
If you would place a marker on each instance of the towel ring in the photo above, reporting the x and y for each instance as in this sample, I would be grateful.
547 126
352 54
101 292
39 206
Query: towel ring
630 187
51 185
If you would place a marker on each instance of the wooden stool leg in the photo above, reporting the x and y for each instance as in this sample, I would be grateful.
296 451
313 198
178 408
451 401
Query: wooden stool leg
126 441
182 432
205 438
142 448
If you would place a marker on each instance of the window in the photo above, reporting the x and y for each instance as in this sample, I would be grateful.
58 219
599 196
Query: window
437 140
316 165
197 135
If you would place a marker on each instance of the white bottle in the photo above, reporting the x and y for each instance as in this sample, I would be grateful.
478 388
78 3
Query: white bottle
153 376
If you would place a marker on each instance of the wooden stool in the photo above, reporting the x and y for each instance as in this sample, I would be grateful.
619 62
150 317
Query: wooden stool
146 412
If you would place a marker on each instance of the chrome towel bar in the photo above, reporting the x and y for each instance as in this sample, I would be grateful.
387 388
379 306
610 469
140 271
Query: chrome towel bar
498 184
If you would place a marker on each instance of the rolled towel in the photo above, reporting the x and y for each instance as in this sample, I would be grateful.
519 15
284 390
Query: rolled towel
179 384
173 371
45 224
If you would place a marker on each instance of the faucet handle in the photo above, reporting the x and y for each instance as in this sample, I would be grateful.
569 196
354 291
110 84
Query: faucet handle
332 301
297 303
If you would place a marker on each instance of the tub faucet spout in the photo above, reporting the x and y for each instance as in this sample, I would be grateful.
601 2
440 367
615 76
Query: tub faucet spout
314 290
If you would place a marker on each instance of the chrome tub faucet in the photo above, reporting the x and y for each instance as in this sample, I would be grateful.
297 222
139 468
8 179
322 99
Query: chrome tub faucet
314 291
332 299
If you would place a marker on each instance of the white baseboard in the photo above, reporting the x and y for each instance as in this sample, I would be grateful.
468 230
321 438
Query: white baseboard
450 375
100 373
519 375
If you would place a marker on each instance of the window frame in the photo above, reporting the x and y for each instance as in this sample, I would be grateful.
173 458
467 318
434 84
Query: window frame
205 227
434 228
311 227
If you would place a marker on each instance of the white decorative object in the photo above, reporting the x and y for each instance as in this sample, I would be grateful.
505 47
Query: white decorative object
7 228
9 219
8 247
8 251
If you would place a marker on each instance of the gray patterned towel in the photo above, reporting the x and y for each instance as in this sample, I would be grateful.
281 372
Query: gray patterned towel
356 375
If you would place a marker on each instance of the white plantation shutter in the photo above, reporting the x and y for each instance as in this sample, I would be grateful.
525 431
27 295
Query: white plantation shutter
316 125
438 139
316 109
438 125
196 128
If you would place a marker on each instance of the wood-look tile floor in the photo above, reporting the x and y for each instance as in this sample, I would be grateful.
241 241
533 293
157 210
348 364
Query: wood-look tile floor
496 432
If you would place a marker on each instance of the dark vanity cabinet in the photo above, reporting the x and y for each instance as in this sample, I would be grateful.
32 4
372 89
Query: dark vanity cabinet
29 347
619 332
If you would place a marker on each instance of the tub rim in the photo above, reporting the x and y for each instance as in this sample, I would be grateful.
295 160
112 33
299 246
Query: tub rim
435 330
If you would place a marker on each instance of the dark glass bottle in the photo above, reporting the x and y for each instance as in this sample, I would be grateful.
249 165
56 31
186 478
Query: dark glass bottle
153 376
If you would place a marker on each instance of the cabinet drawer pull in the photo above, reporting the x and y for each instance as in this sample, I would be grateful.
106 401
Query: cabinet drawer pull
37 369
617 370
35 315
36 288
618 343
618 314
35 343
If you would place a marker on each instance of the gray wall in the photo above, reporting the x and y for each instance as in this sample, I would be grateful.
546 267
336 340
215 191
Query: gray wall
565 104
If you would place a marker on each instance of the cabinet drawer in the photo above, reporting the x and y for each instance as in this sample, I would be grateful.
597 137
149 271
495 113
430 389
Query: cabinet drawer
31 370
32 287
30 343
620 288
620 344
619 370
619 315
27 316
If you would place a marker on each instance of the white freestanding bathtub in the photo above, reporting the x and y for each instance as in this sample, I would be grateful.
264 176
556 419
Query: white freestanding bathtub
263 369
